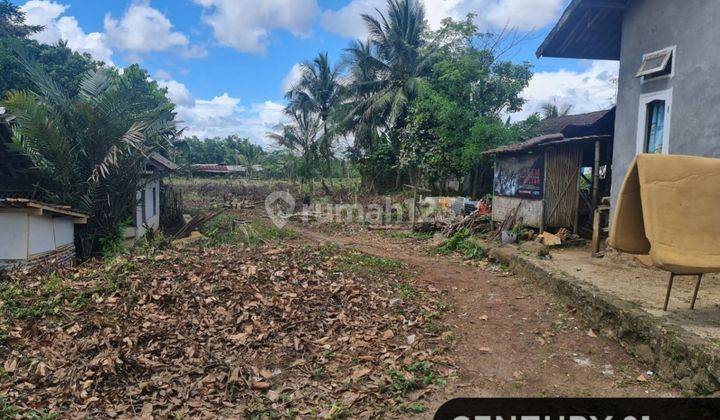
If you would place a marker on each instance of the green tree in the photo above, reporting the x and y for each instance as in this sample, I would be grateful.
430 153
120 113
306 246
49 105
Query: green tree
552 110
62 64
320 91
385 75
89 150
12 22
302 135
457 114
66 67
135 84
398 63
231 150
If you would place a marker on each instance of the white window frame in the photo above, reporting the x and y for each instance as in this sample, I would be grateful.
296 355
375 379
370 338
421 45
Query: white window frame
664 95
672 61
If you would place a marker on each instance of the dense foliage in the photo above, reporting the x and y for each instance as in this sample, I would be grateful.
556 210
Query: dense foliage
231 150
86 128
420 106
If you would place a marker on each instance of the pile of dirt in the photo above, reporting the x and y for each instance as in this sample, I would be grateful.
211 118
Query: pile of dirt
223 332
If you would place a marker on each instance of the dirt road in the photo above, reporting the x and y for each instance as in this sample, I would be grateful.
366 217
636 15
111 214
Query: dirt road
515 338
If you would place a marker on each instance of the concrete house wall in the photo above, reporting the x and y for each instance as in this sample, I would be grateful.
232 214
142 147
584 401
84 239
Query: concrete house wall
151 217
692 27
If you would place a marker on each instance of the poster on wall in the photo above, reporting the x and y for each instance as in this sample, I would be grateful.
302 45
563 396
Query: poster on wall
520 176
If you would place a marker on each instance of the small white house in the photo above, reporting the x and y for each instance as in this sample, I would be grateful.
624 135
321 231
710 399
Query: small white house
147 211
35 234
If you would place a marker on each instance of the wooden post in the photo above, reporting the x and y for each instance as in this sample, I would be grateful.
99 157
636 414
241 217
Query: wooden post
543 202
412 211
415 189
596 175
596 233
576 222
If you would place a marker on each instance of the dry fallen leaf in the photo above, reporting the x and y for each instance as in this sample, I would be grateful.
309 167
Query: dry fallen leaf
199 331
359 373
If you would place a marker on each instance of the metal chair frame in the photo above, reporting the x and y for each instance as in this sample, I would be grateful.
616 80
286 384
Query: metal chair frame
670 284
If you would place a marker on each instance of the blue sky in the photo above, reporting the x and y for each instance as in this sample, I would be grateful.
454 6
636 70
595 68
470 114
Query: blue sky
227 62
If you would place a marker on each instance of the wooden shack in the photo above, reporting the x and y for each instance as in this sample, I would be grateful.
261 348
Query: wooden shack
558 178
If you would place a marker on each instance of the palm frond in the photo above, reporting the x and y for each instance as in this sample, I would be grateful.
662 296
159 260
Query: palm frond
131 140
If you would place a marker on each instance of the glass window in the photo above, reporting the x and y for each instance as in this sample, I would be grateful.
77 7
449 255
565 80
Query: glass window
656 64
655 127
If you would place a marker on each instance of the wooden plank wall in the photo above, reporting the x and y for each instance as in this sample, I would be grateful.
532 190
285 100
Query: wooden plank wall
562 167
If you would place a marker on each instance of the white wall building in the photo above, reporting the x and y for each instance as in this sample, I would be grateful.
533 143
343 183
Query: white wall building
147 211
34 233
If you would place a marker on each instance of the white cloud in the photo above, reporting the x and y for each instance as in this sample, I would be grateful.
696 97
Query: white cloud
590 90
178 93
491 14
292 78
347 21
223 115
247 25
143 29
524 14
65 28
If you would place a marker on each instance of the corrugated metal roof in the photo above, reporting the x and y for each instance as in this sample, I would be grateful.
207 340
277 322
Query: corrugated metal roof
590 29
526 145
568 128
561 124
163 161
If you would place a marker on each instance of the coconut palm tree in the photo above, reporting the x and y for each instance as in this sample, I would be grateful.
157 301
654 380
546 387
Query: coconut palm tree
320 91
551 110
88 151
362 74
301 135
396 62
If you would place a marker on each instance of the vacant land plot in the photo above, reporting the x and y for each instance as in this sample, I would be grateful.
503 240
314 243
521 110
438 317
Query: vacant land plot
250 323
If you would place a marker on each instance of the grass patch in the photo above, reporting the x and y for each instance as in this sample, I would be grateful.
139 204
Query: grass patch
338 412
319 373
461 242
6 410
412 377
362 263
413 408
220 231
406 291
23 304
434 327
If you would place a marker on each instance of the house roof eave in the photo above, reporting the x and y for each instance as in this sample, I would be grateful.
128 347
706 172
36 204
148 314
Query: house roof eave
588 29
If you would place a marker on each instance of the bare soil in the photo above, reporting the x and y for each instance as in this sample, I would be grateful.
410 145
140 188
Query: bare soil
625 277
515 339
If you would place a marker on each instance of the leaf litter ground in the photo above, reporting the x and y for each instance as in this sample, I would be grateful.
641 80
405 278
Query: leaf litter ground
283 330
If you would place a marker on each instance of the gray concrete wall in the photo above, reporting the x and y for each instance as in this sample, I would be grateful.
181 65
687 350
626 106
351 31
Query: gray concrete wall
694 27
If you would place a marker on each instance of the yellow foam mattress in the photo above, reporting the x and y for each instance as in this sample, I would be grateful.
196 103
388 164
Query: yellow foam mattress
669 207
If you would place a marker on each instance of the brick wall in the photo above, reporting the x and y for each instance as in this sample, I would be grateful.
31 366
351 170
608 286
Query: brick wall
63 256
